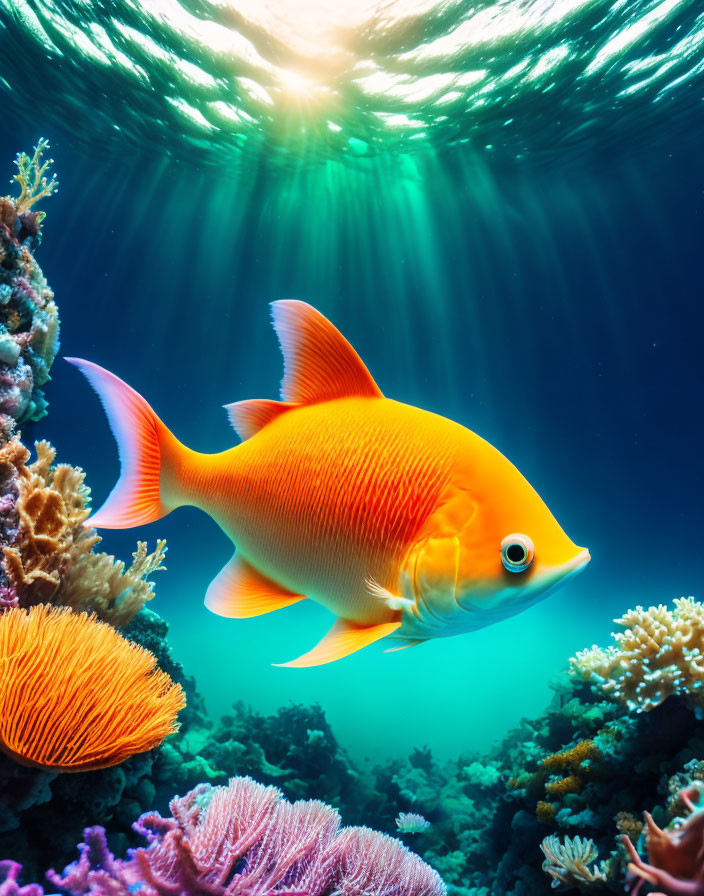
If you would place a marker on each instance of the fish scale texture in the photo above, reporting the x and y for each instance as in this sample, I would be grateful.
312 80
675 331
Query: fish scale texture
331 494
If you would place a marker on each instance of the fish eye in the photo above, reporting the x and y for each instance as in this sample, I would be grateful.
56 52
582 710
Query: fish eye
517 552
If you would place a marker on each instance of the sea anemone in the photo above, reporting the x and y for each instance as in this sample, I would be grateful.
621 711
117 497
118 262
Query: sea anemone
76 695
411 823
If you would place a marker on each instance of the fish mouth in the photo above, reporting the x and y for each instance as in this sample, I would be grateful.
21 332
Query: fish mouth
578 563
567 571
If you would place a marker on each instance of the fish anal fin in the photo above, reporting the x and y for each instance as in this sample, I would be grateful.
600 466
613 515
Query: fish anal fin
319 363
248 417
239 591
343 639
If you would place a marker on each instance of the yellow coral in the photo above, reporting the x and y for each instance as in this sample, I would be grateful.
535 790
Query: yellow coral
54 560
560 787
545 812
572 758
35 183
628 825
660 653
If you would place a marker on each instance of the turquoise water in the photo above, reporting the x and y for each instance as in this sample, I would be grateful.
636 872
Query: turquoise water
519 251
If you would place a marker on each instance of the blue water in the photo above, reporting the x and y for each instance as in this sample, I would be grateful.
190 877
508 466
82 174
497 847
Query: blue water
557 309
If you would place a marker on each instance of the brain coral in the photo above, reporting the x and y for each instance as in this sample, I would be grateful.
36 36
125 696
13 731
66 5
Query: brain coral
245 839
48 554
659 654
75 695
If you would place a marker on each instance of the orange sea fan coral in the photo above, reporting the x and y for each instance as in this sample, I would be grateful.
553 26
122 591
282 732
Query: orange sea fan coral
76 695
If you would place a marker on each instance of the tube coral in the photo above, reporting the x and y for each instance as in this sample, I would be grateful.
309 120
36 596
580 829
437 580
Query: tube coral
246 839
75 695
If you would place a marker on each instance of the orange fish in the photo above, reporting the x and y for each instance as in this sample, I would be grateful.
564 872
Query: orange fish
402 523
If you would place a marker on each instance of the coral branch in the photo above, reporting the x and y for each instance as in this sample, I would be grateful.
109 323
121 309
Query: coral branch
35 183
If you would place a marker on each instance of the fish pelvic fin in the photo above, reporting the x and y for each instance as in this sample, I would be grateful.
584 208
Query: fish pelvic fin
343 639
413 643
239 591
148 487
319 363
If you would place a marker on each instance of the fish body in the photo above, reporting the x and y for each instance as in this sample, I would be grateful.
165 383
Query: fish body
393 518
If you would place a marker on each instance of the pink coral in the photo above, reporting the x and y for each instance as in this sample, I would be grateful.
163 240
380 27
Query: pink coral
675 858
9 886
246 840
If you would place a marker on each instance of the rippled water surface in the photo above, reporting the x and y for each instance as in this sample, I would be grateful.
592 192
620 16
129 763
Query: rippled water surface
210 78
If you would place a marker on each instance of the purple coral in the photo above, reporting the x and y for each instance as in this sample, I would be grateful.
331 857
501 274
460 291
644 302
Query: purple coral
246 840
9 885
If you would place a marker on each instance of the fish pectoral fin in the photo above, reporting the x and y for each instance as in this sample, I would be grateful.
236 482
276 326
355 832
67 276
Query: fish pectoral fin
239 591
343 639
405 646
319 363
392 601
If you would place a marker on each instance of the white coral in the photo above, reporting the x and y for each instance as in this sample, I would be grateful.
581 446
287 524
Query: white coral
568 863
658 654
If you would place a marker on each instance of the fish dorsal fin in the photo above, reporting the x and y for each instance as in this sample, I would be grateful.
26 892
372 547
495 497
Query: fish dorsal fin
344 638
248 417
319 363
239 591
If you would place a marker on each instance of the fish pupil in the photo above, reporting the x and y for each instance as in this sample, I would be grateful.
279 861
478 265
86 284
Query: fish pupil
516 553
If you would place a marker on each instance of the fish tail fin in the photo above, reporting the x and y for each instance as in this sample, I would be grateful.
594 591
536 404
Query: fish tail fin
152 460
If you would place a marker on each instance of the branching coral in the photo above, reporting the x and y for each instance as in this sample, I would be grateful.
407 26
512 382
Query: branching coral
568 863
660 653
9 881
29 320
48 554
245 839
102 698
35 183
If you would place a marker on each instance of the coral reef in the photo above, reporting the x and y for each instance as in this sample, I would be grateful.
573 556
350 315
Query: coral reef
29 319
659 654
244 839
103 698
42 813
48 554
